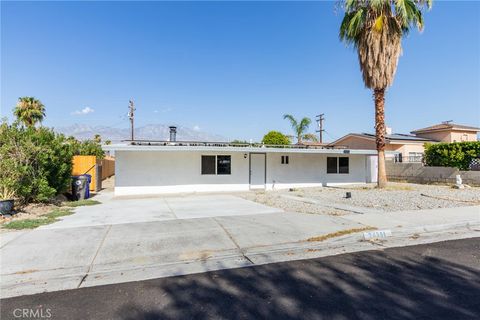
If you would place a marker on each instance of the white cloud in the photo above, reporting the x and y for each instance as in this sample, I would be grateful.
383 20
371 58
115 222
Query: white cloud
196 128
84 111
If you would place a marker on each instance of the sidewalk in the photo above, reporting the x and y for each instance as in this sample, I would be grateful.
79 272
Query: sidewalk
68 258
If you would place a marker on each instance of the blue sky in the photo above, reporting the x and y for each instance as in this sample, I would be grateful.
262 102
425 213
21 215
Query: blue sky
231 68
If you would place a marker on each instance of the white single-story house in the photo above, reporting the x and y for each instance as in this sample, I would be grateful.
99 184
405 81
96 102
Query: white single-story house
157 168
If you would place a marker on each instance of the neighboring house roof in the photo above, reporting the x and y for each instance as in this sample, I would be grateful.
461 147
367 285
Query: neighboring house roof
446 126
390 138
400 136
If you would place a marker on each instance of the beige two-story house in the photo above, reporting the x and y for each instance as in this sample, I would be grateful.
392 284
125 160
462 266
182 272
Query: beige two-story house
410 147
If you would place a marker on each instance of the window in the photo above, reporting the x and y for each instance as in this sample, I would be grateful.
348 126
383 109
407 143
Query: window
224 164
208 164
343 165
285 159
338 165
331 165
216 164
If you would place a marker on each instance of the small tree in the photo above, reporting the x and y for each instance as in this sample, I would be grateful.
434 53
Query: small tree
275 138
310 137
299 127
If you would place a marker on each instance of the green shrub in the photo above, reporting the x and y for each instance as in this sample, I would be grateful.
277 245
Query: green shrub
87 148
456 154
36 163
275 138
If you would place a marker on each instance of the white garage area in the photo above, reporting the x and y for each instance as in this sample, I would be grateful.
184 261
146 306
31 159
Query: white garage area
149 168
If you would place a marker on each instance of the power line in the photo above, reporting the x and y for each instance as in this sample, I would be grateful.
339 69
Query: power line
331 137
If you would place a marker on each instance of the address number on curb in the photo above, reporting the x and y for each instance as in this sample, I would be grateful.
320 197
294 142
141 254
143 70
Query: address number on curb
378 234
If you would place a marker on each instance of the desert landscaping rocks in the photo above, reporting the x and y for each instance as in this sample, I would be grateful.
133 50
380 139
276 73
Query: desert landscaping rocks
396 197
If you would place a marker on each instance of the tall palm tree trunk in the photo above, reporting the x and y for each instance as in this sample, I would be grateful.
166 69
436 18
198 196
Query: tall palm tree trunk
379 97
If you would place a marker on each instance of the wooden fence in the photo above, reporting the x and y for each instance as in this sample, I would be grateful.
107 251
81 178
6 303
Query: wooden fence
98 169
108 167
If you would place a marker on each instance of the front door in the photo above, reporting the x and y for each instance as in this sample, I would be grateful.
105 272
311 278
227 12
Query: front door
258 173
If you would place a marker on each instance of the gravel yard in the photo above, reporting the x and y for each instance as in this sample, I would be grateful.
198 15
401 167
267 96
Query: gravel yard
396 197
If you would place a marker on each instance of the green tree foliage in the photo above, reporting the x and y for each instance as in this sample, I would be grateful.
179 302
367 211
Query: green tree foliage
87 148
275 138
456 154
29 111
310 137
35 163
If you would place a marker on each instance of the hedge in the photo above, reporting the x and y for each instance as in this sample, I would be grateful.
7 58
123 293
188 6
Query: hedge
456 154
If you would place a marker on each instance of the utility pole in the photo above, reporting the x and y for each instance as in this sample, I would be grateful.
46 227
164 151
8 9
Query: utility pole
131 116
320 118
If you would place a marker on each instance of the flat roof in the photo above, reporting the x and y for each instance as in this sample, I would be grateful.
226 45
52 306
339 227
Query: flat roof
215 147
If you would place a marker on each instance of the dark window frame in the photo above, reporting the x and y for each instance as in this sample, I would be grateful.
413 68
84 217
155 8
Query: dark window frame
228 168
338 169
343 169
285 160
218 168
331 170
207 167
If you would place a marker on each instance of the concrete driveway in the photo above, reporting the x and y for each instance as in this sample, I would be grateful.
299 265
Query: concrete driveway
114 211
65 256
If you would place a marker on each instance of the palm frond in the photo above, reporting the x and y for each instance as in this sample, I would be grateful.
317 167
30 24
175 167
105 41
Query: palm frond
292 120
304 123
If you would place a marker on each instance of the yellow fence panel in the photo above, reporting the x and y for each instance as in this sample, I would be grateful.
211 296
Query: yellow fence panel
86 165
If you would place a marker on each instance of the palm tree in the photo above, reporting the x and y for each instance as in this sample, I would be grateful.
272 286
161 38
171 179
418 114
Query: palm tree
375 28
29 111
298 127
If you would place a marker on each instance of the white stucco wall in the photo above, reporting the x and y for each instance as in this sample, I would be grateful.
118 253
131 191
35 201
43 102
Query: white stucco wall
310 170
155 172
173 172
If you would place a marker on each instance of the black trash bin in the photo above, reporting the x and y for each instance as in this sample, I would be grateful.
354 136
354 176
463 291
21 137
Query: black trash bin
80 187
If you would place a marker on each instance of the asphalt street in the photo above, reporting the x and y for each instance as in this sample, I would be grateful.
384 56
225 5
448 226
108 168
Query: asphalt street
433 281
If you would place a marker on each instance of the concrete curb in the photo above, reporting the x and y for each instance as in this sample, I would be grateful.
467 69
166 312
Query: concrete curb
60 280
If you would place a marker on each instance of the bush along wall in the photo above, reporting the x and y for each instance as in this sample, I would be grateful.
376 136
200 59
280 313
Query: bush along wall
457 154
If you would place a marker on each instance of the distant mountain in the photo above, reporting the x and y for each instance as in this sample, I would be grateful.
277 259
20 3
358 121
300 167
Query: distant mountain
148 132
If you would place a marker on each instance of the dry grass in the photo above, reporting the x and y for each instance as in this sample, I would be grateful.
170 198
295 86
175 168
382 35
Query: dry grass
339 233
398 188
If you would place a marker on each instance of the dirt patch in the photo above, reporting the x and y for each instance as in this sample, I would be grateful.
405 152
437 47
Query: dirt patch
30 211
395 197
273 199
